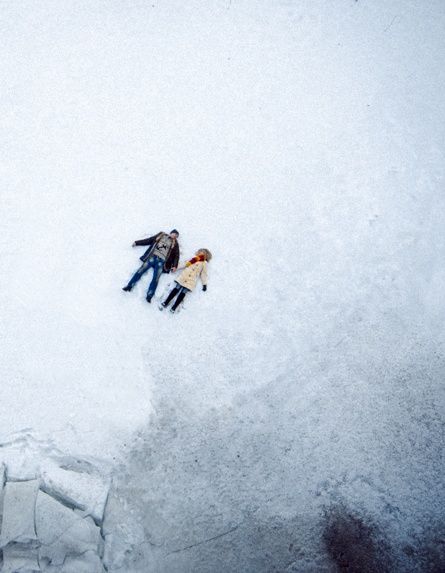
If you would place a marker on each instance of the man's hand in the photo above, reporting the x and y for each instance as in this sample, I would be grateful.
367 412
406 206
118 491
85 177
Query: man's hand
134 244
174 269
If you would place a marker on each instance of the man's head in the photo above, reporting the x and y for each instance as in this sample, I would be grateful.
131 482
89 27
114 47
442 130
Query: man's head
174 234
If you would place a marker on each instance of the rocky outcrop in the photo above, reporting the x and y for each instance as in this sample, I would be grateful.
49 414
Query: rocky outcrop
51 516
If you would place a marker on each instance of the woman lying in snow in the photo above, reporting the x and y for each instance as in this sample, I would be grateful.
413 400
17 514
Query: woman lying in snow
194 268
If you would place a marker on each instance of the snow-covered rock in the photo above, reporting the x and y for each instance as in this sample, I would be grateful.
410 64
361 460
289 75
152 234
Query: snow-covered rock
2 477
2 483
18 558
85 491
123 531
61 531
89 562
18 523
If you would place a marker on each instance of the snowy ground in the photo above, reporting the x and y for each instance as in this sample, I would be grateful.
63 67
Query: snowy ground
302 143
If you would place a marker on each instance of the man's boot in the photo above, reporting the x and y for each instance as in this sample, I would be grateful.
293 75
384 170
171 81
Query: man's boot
148 297
127 288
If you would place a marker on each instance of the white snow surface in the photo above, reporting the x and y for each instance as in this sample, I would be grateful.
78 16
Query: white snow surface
303 144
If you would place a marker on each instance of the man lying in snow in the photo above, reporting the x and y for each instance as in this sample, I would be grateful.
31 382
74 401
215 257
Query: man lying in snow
162 256
186 282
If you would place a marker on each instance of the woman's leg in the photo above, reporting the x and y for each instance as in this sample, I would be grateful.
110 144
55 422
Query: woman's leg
171 296
178 301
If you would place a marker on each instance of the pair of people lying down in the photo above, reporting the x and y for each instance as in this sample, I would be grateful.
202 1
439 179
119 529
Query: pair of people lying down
162 256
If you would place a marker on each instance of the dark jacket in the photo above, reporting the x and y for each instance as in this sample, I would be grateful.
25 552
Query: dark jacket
172 258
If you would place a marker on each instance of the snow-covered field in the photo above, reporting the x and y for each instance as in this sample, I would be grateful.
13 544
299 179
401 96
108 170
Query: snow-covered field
297 406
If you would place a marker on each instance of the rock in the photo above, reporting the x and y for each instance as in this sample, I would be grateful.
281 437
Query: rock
84 491
20 458
19 500
18 558
61 531
121 532
50 510
87 563
2 483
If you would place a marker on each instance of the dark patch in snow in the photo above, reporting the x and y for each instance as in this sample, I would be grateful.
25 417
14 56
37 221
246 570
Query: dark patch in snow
354 543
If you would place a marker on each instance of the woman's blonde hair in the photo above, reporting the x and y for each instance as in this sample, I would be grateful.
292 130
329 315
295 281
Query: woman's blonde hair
205 252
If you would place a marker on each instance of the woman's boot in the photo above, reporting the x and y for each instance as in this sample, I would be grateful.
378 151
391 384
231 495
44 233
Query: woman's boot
170 297
178 301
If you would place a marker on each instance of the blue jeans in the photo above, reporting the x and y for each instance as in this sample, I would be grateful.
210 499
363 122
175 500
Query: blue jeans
154 263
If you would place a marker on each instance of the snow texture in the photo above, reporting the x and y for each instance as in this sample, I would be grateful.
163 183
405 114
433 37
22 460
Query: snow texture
291 416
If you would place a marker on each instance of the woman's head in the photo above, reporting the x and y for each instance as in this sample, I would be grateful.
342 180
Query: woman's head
207 254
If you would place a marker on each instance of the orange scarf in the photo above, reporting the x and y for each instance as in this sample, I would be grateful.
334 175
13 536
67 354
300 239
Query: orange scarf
197 259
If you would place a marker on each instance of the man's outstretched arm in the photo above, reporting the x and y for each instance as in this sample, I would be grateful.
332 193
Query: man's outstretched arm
145 242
